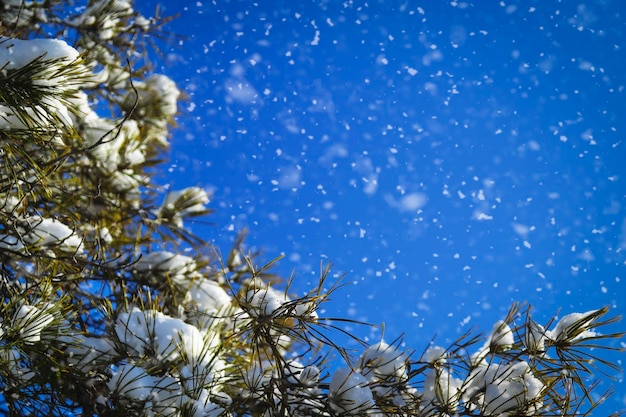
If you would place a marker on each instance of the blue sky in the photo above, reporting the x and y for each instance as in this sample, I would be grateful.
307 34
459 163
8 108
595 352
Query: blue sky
451 158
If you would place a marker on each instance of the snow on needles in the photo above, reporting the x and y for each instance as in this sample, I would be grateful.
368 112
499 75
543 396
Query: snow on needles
49 67
16 53
349 393
167 338
31 321
492 386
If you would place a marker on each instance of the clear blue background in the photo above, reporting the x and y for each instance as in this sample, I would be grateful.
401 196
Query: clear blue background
450 157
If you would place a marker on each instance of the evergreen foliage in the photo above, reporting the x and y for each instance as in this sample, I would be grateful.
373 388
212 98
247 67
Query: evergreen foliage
105 313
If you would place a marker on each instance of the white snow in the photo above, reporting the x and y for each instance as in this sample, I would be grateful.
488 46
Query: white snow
16 53
348 393
501 336
573 326
434 355
48 232
151 332
265 301
88 353
503 389
440 387
383 361
165 265
534 337
30 321
413 201
134 383
209 296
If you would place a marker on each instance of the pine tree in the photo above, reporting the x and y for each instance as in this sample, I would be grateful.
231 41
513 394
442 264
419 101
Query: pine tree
105 313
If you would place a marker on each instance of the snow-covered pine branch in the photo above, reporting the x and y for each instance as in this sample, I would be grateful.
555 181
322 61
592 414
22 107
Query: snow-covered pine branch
111 306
